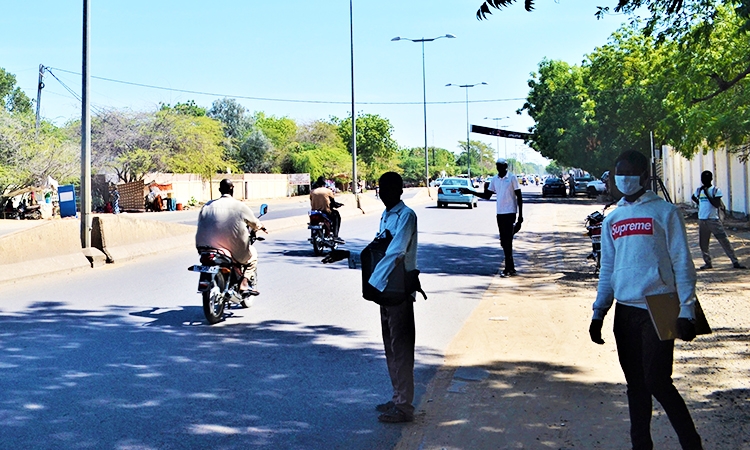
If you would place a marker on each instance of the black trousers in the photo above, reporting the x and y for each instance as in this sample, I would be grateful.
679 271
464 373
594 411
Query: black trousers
397 323
647 364
335 221
505 223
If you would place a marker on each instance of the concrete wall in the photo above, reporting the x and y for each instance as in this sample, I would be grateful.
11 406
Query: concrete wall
682 177
248 186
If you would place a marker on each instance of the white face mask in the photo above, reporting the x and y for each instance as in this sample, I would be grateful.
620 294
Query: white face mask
628 184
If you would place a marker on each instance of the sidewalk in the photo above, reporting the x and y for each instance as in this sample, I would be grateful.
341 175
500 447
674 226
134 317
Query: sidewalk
522 373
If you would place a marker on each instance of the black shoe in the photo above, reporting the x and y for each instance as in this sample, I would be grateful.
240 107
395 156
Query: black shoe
395 415
738 266
248 293
385 407
338 240
508 273
705 267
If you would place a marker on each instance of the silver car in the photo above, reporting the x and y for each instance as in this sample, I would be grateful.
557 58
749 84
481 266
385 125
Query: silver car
449 192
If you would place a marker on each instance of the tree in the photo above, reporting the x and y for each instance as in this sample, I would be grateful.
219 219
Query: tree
233 116
442 160
553 169
481 156
27 159
194 144
281 131
12 97
255 153
375 144
188 108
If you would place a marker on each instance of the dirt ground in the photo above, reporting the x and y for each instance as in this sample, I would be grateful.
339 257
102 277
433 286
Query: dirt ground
522 373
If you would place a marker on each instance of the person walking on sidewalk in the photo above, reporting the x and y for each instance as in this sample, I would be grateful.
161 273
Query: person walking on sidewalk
708 198
397 322
509 201
645 252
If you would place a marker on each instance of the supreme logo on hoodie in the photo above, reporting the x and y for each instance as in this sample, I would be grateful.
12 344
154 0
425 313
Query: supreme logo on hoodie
631 227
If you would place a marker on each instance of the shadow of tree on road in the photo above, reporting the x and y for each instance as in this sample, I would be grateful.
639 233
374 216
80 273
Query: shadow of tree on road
161 378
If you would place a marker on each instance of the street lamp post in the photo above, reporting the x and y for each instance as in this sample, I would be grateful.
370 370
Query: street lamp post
468 142
424 96
497 139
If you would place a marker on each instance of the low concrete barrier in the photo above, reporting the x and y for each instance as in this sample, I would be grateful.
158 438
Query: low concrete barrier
54 246
121 238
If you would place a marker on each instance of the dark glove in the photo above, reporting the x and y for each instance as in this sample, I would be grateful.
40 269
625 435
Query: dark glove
685 329
516 227
595 331
335 255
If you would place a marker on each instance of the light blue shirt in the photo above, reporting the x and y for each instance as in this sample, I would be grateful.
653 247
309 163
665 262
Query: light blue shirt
401 221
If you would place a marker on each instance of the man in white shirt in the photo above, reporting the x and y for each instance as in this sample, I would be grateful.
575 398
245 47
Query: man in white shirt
397 321
223 223
509 202
708 199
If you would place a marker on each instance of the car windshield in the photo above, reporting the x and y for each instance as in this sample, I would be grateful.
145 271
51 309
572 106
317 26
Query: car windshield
455 182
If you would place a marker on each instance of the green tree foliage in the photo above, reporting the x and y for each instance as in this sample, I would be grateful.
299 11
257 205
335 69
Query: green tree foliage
233 116
12 98
554 169
28 158
375 144
194 144
481 156
281 131
442 160
188 108
255 153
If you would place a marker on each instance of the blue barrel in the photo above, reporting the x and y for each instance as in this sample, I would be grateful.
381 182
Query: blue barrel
67 197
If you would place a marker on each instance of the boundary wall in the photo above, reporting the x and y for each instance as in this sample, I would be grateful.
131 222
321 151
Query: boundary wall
682 177
248 186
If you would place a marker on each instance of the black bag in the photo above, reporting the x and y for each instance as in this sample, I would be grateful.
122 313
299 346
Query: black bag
401 283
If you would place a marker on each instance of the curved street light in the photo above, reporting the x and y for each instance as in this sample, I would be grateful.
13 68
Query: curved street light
468 142
424 96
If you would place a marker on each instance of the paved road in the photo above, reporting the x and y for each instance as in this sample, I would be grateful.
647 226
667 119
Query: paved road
121 357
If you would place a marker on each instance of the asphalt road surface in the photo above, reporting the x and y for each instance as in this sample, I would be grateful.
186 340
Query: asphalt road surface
122 357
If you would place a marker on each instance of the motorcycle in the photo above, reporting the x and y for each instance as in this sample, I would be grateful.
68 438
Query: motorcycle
321 231
221 276
22 211
593 225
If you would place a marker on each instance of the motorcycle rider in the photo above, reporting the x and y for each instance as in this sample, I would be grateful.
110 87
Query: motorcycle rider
224 224
322 199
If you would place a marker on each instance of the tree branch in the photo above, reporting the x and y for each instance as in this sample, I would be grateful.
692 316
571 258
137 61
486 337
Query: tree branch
723 84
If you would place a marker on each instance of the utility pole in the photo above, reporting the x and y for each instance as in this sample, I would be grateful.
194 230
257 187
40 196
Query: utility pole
354 113
39 88
85 136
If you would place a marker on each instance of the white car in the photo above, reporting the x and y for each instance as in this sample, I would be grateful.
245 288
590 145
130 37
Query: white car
597 187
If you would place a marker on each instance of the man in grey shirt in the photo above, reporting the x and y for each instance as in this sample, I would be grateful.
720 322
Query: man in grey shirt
223 224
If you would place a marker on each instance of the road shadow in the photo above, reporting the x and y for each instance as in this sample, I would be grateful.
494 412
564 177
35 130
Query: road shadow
162 378
533 404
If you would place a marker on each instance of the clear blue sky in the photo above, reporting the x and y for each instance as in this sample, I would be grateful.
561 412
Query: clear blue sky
300 50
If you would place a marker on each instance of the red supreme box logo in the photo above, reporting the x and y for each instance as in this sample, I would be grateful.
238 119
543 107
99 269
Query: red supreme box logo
630 227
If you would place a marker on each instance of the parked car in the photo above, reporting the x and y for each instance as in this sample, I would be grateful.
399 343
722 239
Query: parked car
554 186
448 193
581 184
597 187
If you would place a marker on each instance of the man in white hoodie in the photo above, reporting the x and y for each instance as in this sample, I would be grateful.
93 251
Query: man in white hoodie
645 252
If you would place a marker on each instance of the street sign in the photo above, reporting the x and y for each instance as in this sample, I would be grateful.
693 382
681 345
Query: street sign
498 132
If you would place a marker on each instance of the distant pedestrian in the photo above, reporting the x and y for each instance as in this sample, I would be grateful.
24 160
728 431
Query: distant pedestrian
645 251
509 201
709 202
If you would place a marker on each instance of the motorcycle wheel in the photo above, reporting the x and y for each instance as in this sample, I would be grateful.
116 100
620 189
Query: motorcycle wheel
253 279
213 301
317 237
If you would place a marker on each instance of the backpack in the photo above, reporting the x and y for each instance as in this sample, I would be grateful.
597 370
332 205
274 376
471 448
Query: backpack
401 283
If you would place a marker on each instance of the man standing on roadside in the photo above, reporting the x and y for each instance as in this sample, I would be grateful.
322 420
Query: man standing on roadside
645 252
509 202
708 199
397 322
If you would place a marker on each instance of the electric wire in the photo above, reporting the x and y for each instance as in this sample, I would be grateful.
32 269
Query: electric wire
287 100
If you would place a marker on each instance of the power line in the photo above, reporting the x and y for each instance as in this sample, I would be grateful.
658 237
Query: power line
285 100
